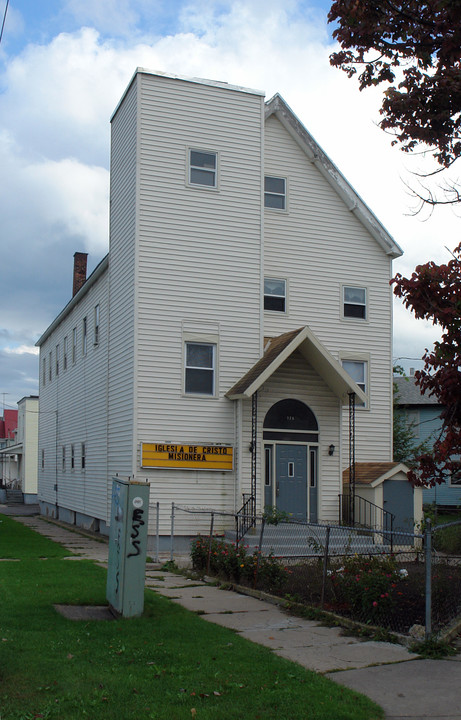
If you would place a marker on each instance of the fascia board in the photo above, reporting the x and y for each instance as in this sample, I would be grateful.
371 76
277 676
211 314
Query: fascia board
390 473
275 364
329 369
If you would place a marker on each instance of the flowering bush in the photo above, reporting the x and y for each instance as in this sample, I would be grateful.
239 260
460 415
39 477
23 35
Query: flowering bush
366 585
232 562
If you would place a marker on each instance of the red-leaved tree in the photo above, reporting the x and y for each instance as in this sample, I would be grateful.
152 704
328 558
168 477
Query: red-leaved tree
414 48
433 292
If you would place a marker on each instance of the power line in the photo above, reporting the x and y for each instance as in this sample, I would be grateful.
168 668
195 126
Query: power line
4 19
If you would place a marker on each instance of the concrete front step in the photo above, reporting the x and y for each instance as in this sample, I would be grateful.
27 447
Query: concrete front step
292 540
14 497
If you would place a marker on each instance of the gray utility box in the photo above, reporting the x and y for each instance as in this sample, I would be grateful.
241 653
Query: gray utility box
127 547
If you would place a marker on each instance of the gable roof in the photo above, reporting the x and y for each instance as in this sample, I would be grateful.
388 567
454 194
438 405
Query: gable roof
408 393
374 473
279 349
278 107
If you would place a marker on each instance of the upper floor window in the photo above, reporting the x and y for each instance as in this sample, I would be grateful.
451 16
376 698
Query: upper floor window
84 338
355 302
64 355
275 192
275 294
57 360
358 370
83 456
72 457
43 460
74 345
203 168
96 325
200 368
50 367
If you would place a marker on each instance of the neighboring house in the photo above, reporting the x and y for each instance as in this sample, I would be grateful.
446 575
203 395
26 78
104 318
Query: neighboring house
422 414
217 350
8 465
23 450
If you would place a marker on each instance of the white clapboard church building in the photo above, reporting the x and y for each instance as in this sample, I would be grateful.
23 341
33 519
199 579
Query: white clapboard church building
235 343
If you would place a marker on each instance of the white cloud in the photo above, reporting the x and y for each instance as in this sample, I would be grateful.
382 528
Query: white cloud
57 100
22 350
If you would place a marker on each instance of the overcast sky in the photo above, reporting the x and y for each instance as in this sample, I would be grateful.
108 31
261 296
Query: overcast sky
65 64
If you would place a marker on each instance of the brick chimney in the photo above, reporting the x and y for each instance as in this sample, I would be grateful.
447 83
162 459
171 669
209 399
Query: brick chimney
79 271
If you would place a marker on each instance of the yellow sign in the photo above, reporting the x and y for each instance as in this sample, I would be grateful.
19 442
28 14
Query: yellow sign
187 457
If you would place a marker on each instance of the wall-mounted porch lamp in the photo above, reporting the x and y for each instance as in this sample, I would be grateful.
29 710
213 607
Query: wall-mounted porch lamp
331 450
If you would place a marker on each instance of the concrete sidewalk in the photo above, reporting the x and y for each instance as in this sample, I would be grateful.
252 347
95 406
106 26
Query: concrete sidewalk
405 687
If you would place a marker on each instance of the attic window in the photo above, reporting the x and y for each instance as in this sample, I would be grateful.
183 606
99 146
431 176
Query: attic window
275 193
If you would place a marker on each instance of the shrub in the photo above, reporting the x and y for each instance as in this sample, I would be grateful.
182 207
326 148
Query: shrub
366 585
231 562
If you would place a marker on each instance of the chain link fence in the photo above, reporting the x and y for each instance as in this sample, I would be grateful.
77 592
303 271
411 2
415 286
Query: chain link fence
398 581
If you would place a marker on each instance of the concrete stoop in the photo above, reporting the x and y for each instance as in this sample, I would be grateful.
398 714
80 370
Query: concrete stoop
293 540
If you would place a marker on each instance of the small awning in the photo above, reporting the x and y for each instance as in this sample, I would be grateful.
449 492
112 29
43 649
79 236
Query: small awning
12 449
315 354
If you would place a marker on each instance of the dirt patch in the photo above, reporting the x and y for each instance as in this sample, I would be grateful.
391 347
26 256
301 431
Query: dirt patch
85 612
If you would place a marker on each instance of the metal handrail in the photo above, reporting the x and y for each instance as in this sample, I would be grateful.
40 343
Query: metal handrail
366 513
245 517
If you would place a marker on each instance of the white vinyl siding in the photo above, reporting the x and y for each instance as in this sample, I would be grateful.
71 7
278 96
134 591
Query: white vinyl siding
321 247
122 273
203 242
72 412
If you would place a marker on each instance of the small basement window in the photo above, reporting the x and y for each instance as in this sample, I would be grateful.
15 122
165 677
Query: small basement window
203 168
275 294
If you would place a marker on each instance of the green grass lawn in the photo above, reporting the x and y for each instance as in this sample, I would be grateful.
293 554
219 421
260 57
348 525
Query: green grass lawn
167 665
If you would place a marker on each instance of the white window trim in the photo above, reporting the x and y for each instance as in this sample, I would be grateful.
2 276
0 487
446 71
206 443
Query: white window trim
347 318
198 186
359 357
201 339
279 279
278 177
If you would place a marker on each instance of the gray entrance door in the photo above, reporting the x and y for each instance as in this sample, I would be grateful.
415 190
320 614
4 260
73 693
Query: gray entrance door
291 480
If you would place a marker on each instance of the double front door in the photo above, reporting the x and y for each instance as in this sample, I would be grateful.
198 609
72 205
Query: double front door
291 479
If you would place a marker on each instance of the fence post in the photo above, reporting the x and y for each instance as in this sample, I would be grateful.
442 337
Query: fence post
172 532
428 554
157 532
236 530
261 535
325 563
209 544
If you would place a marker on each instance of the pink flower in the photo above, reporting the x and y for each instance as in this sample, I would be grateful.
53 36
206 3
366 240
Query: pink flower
375 604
